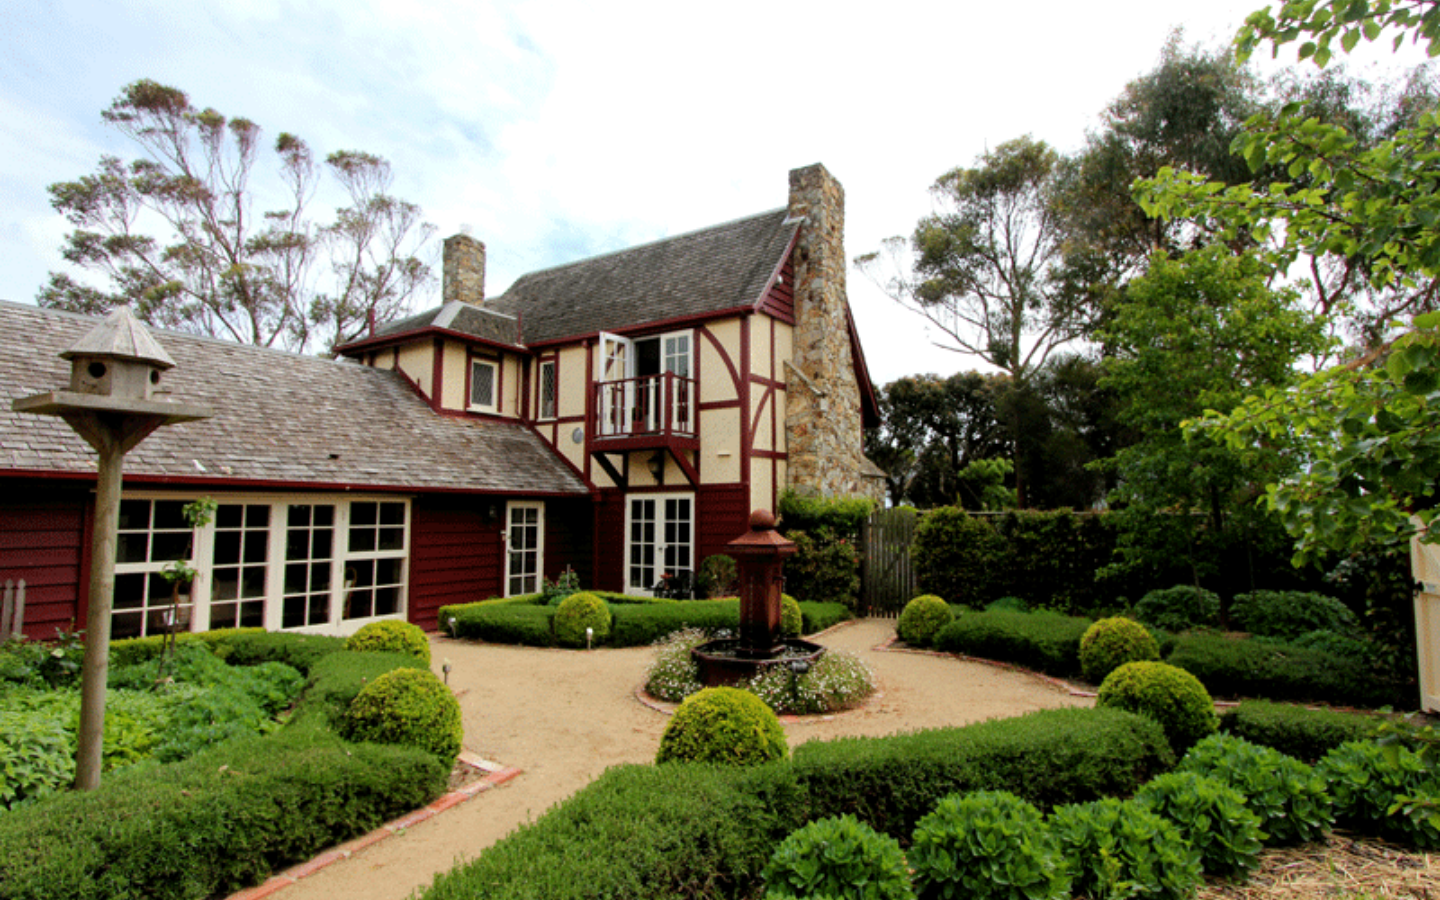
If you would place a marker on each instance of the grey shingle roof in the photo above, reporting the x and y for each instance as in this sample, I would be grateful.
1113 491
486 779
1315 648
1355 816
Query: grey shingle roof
465 318
705 271
280 418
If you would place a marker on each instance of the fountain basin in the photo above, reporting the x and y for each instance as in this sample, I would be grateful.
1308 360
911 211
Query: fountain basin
727 661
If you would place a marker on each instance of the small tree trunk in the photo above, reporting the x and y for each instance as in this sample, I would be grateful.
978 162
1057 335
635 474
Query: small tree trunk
95 668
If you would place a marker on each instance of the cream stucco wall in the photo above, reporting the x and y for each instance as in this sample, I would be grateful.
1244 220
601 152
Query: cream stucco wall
453 388
715 381
512 381
417 361
762 416
720 446
762 486
571 373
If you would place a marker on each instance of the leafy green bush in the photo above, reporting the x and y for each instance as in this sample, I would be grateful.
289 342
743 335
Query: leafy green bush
1289 614
336 680
639 625
987 844
1170 696
1367 782
1286 794
841 515
1306 734
954 555
836 681
674 675
922 619
817 616
1110 643
580 612
724 725
839 857
1008 604
792 621
1122 849
1051 557
553 593
501 623
1212 816
391 635
53 663
1231 667
1355 649
1045 641
1179 608
410 707
825 567
129 651
37 757
718 576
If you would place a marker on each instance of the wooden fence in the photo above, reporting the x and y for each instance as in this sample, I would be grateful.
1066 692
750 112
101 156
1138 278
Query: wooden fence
12 610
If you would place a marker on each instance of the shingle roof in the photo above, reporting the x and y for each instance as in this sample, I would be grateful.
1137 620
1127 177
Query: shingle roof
711 270
280 419
465 318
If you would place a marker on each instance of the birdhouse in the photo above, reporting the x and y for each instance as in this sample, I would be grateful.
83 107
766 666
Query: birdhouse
117 358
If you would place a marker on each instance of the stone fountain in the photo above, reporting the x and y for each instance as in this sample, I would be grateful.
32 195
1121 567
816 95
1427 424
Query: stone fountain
760 555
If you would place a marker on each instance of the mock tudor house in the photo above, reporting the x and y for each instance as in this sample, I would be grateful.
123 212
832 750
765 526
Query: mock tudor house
619 416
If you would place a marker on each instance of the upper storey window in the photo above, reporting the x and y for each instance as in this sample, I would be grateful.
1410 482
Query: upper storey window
548 388
484 385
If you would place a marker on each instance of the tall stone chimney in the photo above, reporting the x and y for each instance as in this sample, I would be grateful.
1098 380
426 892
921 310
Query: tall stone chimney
463 270
825 438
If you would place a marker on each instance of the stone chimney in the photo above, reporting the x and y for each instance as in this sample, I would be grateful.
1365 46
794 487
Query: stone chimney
825 438
463 270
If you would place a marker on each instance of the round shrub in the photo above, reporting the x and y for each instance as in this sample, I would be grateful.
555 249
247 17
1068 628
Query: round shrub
1211 815
838 857
723 725
922 619
578 612
1289 614
1171 696
1111 643
955 556
987 844
1111 843
1286 794
391 635
1179 608
792 622
407 706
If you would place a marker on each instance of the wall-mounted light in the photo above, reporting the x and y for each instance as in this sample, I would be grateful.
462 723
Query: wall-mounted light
492 513
656 464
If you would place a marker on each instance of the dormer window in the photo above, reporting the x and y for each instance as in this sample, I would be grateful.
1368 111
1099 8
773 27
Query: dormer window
484 385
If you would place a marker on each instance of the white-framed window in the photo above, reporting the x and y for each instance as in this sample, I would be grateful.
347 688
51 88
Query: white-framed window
484 385
548 389
314 563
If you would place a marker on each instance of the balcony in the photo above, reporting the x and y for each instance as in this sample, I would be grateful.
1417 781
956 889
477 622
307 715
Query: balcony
649 412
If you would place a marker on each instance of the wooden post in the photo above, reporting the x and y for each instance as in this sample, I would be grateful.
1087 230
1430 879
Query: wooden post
95 669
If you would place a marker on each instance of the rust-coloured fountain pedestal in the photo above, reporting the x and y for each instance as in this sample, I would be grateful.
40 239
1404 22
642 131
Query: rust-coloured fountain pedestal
760 555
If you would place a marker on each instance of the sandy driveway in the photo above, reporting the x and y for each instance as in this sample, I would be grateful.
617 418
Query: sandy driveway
565 716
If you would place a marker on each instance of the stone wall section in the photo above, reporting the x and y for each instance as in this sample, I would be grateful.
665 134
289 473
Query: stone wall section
463 270
822 399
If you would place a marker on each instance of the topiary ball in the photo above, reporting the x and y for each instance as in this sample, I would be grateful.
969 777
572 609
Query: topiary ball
723 725
922 619
391 635
1110 643
1169 695
410 707
578 612
838 857
1179 608
792 622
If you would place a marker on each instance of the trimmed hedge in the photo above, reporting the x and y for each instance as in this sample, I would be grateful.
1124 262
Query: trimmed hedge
1231 667
1306 734
129 651
337 680
1045 641
697 829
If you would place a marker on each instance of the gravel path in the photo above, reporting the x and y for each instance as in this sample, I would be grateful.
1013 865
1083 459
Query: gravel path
565 716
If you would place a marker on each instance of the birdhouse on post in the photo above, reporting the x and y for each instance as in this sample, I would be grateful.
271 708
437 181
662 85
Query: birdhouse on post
114 403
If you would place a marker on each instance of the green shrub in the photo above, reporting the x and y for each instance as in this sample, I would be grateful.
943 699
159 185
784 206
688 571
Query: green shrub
922 619
553 593
1231 667
1289 614
1170 696
391 635
674 675
1179 608
1212 816
1355 649
1286 794
825 567
1306 734
1008 604
1367 782
1122 849
836 681
840 515
820 615
987 844
300 651
337 680
1110 643
53 663
639 625
724 725
839 857
37 757
954 555
718 576
1050 558
576 614
792 621
410 707
1045 641
129 651
501 623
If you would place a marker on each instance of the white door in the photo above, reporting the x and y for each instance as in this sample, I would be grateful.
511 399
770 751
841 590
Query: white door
659 539
617 367
524 547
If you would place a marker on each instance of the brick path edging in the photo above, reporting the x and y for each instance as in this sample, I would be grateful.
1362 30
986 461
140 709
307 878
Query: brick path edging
496 775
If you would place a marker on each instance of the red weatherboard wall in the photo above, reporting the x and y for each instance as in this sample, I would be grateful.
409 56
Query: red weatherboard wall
42 540
455 554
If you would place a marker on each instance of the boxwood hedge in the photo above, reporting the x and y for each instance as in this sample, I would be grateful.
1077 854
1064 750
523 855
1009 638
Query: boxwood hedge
1231 667
1046 641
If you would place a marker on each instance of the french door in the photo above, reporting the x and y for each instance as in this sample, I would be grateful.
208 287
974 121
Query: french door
524 547
659 539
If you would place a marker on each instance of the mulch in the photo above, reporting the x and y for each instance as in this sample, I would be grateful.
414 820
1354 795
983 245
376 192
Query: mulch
1344 867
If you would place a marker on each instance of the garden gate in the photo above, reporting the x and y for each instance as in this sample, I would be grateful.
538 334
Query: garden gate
887 578
1425 567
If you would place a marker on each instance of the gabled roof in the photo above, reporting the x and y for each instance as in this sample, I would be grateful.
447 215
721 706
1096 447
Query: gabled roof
713 270
281 420
454 317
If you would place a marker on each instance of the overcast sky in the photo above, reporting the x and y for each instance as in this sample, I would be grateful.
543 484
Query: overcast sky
555 131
